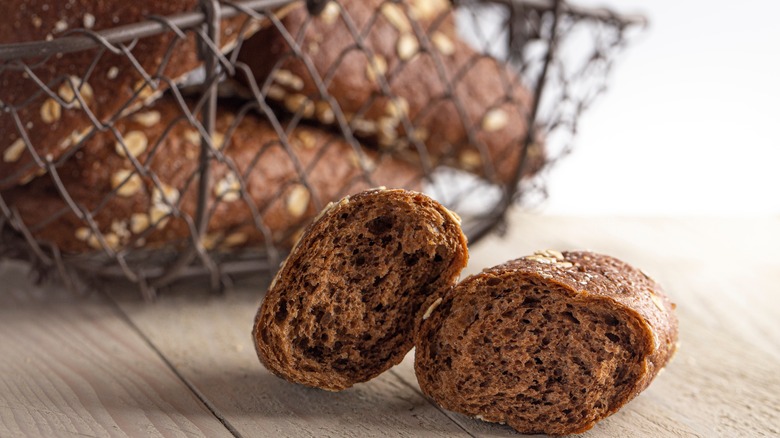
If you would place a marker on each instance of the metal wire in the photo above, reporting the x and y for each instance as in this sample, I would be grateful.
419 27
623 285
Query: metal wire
533 34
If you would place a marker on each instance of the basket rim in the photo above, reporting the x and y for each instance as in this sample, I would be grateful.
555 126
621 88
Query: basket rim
83 39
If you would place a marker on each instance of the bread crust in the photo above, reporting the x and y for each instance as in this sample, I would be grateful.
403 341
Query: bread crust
630 299
495 105
344 306
55 121
130 210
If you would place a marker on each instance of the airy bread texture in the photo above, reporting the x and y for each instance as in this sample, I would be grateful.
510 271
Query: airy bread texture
549 343
345 304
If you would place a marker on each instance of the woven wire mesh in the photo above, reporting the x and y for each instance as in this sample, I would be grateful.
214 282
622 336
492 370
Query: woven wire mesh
203 143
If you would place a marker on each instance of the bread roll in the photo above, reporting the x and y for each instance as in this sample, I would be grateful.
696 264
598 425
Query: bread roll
442 86
344 306
134 209
89 86
549 343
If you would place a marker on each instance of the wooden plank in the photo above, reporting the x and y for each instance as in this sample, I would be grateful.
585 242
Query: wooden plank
724 382
73 367
208 339
724 276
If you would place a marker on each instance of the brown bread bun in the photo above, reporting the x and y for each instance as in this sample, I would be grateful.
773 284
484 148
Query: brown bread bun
130 208
89 86
345 304
442 86
549 343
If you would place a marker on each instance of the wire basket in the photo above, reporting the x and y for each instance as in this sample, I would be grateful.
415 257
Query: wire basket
169 145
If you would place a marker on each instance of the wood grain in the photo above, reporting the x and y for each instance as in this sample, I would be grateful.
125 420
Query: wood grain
72 366
209 341
724 274
86 372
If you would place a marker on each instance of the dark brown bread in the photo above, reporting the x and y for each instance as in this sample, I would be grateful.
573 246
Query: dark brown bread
549 343
131 211
345 304
430 75
89 86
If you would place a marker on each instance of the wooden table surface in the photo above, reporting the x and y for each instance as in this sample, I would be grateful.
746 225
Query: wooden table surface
109 365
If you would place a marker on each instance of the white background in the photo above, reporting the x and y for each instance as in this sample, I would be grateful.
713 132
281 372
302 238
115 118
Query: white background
690 124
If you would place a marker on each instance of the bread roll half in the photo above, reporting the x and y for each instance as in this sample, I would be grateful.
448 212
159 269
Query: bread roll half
549 343
345 304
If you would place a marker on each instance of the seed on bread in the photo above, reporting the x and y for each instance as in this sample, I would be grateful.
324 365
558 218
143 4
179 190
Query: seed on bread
192 136
407 46
75 138
495 120
139 222
431 308
557 255
68 94
299 102
288 79
377 65
228 189
51 111
126 183
144 90
120 228
387 131
111 241
148 118
657 301
218 140
363 126
443 43
397 108
427 10
235 239
211 240
14 152
60 26
88 21
361 161
112 73
298 201
453 216
135 143
330 13
420 134
159 215
306 139
470 159
83 233
397 17
276 92
163 201
325 112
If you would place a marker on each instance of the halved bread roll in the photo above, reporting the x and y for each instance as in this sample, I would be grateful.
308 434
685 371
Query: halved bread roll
345 304
549 343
